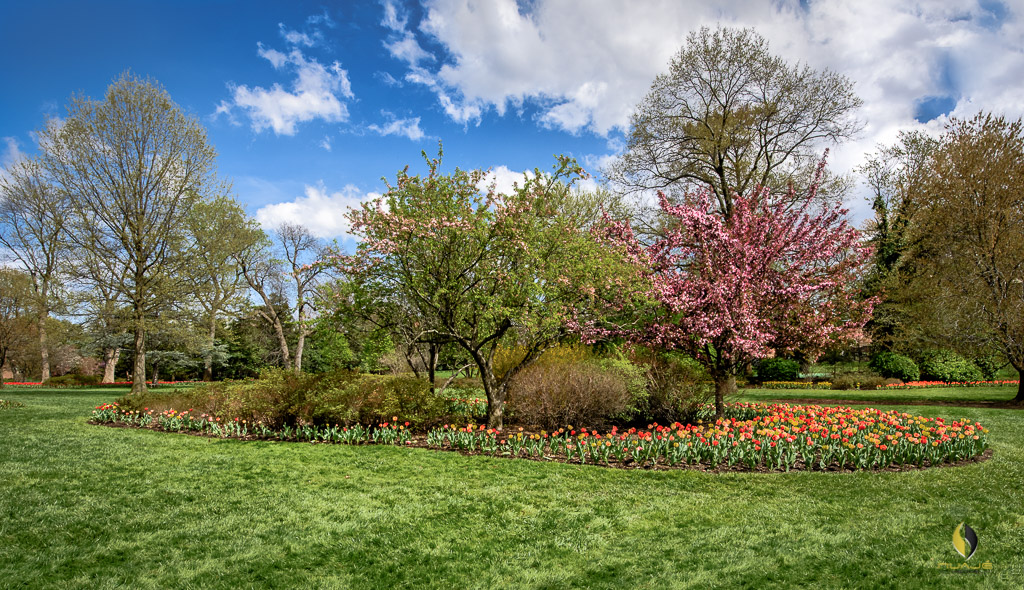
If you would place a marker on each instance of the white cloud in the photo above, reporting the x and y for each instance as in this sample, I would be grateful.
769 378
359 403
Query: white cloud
11 153
587 77
323 213
298 37
326 143
503 179
316 92
403 127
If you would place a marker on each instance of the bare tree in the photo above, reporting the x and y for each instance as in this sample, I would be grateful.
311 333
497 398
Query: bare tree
134 166
264 275
732 116
301 250
33 220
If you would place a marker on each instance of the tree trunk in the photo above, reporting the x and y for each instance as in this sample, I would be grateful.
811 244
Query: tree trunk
44 350
156 373
110 358
431 364
208 359
301 344
724 385
495 393
282 342
139 368
1020 386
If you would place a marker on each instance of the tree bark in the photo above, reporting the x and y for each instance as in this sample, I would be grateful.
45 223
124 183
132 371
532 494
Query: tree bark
724 385
1020 386
431 365
156 373
110 358
301 344
139 368
44 350
208 359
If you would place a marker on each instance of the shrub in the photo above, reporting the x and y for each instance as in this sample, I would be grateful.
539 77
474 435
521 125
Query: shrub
281 398
778 369
895 366
862 381
72 380
554 394
989 366
677 385
946 365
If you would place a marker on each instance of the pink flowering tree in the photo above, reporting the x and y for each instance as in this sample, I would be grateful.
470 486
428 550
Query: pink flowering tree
767 280
476 268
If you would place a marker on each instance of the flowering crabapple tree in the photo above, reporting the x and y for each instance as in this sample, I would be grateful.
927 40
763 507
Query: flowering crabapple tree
477 268
767 280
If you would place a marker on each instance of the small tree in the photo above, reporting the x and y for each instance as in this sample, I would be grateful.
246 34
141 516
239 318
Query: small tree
479 268
768 280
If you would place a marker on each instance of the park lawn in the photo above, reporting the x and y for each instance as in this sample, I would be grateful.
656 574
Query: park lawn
893 396
85 506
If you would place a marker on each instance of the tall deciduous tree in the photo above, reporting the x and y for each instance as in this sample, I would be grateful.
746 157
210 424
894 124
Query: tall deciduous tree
971 234
264 275
896 175
731 116
33 220
15 307
219 231
768 280
134 165
479 268
301 251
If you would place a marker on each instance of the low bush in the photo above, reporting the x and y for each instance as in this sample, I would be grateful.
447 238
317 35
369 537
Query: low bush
778 369
862 381
677 385
946 365
895 366
281 398
553 394
989 366
72 380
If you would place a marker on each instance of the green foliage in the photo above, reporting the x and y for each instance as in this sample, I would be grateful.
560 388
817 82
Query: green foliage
895 366
327 349
282 397
73 380
677 385
989 365
778 369
946 365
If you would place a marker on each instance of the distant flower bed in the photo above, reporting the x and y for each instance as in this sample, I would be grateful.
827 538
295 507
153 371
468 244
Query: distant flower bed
6 404
756 437
922 384
796 385
91 386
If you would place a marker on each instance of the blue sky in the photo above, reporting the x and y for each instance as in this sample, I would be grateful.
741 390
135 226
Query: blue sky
310 103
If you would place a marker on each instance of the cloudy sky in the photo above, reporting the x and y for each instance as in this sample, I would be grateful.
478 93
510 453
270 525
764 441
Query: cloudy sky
310 104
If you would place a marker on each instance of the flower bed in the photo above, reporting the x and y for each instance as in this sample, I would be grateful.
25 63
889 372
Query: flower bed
6 404
931 384
756 437
796 385
95 385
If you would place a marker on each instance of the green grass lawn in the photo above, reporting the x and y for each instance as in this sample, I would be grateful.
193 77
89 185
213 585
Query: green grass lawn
96 507
895 396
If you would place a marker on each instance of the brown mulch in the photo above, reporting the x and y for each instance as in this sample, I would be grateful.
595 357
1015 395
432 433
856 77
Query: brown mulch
420 442
1007 405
